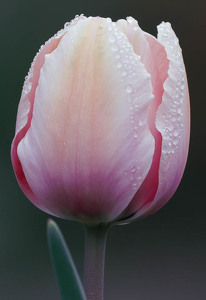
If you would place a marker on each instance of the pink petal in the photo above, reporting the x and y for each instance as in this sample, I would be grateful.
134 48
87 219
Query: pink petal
153 56
173 121
86 154
25 111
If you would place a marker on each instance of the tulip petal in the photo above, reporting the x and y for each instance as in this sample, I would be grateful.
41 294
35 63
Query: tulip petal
173 121
86 152
153 56
25 111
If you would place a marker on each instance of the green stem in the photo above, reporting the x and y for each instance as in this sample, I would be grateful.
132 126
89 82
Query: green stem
95 244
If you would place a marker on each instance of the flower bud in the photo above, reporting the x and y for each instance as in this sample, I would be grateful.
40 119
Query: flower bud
103 123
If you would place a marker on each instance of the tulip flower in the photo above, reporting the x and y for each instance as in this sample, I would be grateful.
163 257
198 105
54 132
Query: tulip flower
103 123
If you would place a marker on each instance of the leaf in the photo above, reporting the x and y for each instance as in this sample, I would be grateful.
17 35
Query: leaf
69 283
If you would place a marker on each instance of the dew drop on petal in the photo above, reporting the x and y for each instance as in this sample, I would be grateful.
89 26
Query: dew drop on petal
119 65
129 89
133 170
27 87
66 24
140 122
179 110
171 127
112 38
176 132
124 72
175 142
114 47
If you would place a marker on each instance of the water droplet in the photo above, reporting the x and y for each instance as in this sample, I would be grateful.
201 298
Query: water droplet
171 127
133 170
119 65
179 110
140 122
27 87
135 135
129 89
175 142
124 72
176 132
114 47
112 38
165 149
66 25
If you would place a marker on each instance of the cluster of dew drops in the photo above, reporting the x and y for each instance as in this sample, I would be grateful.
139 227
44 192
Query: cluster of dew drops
27 82
173 120
127 63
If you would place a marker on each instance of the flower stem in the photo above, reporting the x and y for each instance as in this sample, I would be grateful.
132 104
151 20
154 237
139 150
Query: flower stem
95 244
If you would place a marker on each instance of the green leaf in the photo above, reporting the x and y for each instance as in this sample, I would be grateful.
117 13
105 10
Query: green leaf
69 283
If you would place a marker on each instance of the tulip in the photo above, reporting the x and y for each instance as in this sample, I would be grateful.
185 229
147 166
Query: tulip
102 128
103 123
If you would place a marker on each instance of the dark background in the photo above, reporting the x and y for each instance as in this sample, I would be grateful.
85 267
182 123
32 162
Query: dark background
162 257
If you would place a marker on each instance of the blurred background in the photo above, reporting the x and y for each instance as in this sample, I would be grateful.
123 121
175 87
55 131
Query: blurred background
161 257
